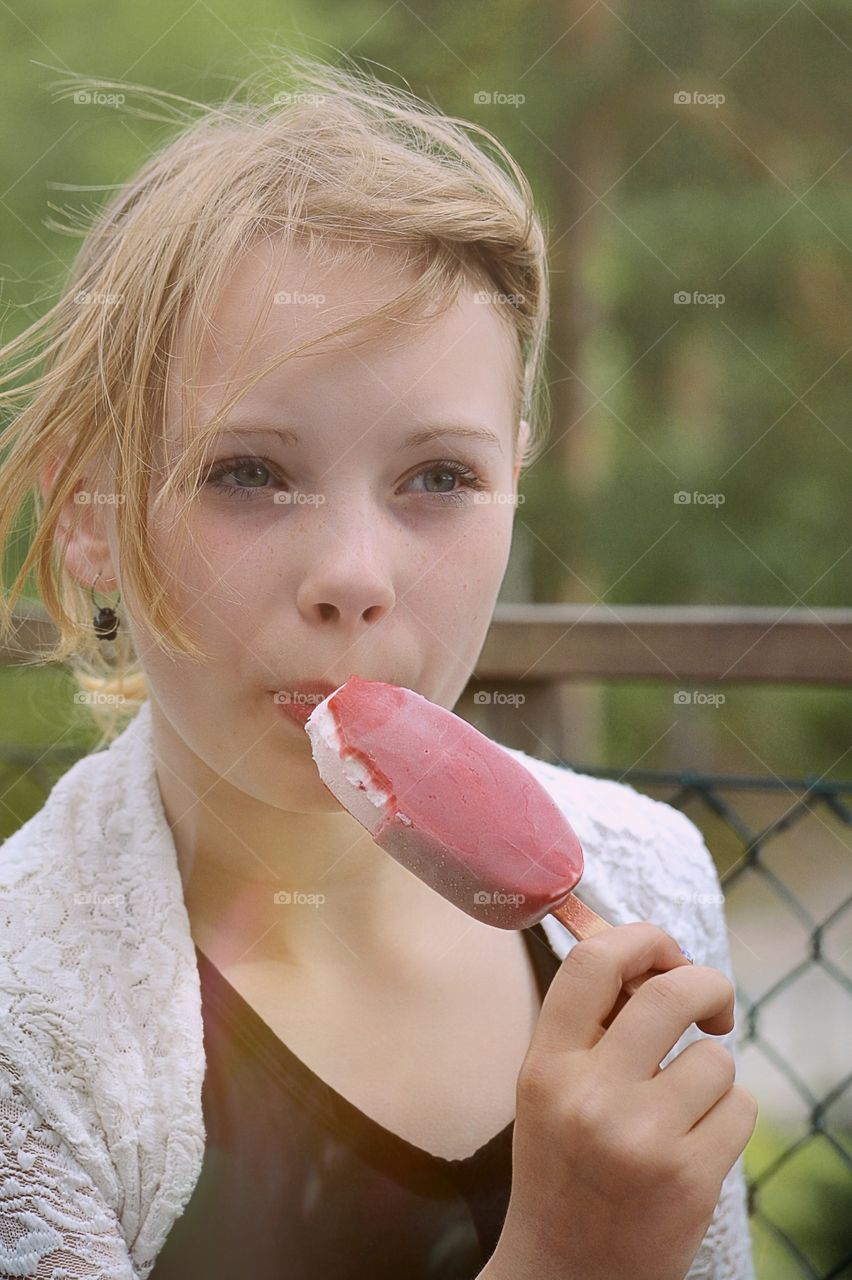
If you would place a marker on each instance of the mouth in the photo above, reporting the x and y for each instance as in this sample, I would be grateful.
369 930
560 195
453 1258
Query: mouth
298 701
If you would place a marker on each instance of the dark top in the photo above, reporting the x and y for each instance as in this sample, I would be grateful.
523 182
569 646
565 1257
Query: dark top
298 1184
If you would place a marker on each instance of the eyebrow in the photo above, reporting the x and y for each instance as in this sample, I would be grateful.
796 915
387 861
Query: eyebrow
423 435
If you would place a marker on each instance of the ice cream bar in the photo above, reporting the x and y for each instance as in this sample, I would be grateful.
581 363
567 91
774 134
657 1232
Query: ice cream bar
451 805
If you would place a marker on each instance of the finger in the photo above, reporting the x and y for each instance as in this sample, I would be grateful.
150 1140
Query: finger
652 1021
691 1084
590 979
722 1134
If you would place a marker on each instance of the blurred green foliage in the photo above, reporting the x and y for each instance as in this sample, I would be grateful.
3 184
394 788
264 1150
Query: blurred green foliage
644 197
38 719
808 1200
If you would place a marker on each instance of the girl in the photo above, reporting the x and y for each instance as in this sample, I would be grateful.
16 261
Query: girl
287 395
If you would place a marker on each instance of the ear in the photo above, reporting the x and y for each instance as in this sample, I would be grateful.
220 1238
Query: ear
82 530
523 438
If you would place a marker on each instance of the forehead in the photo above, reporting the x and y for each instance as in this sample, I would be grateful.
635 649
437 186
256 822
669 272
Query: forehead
276 298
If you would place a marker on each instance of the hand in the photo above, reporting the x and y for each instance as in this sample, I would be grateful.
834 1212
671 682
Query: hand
617 1163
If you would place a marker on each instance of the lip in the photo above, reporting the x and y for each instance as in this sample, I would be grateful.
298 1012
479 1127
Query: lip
298 701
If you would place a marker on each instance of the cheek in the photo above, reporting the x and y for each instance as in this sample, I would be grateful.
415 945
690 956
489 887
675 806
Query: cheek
466 574
209 589
210 576
484 549
222 576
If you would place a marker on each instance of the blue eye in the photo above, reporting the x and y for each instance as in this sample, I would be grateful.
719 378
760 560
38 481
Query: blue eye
455 470
232 466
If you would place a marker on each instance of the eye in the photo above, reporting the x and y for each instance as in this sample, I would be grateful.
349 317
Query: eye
232 467
453 470
449 469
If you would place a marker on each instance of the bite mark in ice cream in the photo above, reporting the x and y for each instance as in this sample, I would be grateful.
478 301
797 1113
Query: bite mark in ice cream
447 802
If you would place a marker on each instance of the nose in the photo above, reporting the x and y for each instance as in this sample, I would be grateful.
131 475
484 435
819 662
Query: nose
346 581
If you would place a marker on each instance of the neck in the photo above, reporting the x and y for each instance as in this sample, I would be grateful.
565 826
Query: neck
262 883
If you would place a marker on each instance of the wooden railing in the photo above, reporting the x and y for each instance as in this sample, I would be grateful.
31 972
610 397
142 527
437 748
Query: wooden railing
539 650
534 643
536 651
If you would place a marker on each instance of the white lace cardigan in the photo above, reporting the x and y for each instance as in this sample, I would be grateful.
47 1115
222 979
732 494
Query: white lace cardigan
101 1036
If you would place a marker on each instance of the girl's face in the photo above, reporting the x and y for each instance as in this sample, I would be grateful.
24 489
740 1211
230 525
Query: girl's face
346 547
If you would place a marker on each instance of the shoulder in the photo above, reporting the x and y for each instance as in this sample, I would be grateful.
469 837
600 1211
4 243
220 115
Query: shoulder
95 811
61 909
643 859
87 909
608 806
90 895
100 1012
59 870
613 819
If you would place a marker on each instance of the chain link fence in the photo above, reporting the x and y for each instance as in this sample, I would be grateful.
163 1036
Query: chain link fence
785 863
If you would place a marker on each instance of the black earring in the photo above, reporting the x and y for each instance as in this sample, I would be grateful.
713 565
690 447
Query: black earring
105 620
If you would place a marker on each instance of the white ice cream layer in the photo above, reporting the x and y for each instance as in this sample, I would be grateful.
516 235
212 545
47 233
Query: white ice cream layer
346 777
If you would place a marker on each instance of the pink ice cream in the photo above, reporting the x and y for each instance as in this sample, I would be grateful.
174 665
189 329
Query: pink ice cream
446 802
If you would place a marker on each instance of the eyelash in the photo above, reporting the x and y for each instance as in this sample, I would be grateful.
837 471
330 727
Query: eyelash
471 479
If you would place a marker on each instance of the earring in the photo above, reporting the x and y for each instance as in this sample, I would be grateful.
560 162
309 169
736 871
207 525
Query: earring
105 620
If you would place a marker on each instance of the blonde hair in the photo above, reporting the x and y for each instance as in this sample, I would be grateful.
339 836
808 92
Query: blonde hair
337 160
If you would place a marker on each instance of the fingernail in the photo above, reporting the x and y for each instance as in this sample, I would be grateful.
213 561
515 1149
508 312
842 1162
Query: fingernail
688 955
